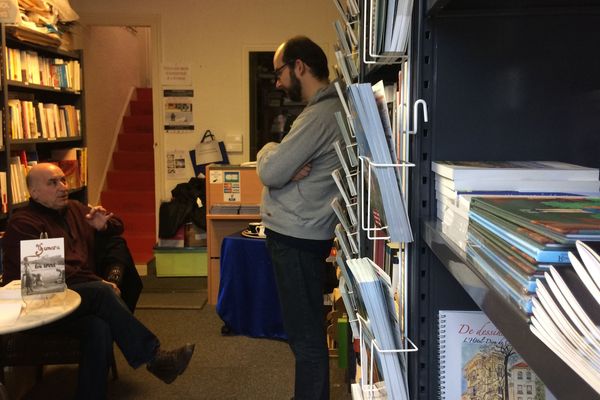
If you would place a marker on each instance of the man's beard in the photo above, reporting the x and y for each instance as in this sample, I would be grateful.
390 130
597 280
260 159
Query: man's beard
294 92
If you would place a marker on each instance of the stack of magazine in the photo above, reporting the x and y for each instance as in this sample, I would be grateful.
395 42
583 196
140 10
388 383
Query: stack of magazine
380 163
457 182
513 241
566 315
374 304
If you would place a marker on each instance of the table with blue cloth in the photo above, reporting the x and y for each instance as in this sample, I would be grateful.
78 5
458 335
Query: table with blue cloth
248 302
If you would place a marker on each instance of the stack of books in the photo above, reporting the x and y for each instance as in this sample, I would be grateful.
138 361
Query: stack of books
513 241
457 182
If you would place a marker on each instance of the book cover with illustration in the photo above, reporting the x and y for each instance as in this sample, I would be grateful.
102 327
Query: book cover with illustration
42 266
477 362
562 219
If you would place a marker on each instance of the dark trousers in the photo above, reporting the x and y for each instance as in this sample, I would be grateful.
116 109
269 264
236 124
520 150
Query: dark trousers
300 275
101 318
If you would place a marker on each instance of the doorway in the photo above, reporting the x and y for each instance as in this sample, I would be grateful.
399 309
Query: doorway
271 112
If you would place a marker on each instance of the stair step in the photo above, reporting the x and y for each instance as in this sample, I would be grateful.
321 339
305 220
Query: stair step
139 243
130 180
135 142
134 160
125 201
137 123
140 107
139 221
144 94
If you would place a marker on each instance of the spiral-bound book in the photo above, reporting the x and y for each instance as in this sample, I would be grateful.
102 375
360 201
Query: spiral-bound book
475 359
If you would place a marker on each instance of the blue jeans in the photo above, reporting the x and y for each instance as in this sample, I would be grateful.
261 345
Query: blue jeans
101 318
300 275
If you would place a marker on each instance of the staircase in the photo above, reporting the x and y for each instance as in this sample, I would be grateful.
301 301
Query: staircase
129 189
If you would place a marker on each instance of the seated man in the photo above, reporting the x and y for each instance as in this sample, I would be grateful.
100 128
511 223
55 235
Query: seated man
102 316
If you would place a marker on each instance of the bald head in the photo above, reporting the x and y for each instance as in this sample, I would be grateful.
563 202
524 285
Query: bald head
47 185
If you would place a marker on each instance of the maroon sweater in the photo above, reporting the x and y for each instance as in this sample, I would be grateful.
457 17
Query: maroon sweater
30 221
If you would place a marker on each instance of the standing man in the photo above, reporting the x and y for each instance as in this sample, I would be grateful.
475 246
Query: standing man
296 208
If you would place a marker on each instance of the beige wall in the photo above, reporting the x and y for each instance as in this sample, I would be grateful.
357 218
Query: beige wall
214 37
105 107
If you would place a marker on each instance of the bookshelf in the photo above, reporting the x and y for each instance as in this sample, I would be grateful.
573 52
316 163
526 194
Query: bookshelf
42 108
503 81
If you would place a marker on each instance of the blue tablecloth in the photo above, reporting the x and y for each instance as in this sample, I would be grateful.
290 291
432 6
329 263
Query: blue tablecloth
248 302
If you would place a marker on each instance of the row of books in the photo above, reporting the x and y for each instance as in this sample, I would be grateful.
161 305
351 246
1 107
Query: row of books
33 120
458 182
29 67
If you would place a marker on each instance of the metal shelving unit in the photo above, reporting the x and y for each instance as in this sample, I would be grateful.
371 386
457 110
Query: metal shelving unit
504 80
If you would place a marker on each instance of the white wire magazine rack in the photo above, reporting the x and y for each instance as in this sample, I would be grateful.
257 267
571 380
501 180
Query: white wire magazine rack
366 382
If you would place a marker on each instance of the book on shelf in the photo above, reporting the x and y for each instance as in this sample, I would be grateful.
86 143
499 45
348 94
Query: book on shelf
504 284
513 170
565 316
562 219
516 185
476 360
504 264
73 162
539 247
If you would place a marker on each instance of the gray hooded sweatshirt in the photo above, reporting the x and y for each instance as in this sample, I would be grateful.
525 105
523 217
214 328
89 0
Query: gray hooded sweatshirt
302 209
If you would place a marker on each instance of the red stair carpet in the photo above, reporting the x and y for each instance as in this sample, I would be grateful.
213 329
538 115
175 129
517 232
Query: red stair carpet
129 189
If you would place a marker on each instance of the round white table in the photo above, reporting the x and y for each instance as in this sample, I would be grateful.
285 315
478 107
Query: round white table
43 312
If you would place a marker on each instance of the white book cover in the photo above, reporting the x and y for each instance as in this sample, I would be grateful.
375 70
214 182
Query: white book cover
42 266
506 170
475 358
516 185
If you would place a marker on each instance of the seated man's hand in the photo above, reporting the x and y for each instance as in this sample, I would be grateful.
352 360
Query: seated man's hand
97 217
114 286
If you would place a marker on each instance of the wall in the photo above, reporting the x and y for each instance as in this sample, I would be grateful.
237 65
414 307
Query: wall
112 58
214 37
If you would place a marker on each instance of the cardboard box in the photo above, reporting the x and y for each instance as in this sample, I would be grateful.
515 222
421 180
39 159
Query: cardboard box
194 236
181 262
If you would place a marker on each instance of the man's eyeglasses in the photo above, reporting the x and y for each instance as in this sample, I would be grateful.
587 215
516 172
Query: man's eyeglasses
279 71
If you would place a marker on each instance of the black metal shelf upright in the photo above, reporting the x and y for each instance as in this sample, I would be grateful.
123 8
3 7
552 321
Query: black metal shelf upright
503 80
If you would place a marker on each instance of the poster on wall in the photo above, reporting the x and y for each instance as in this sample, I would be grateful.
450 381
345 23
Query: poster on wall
176 164
178 112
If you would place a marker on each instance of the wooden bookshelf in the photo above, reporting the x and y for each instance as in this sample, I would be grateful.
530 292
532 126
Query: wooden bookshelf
35 86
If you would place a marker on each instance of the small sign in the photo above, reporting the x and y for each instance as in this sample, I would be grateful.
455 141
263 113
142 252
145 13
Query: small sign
176 75
216 176
9 11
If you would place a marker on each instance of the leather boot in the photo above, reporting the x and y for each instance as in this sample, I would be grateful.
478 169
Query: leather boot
168 365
